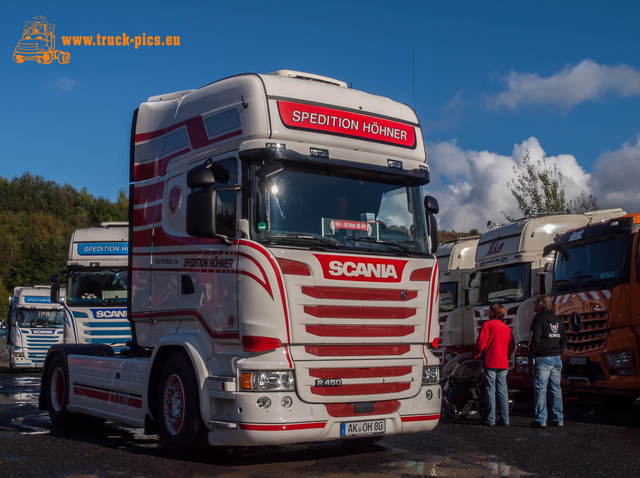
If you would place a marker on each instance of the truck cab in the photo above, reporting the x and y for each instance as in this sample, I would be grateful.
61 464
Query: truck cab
456 262
34 325
96 281
596 284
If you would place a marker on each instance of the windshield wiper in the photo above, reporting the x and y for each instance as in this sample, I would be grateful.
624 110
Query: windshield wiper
386 243
563 284
590 279
305 238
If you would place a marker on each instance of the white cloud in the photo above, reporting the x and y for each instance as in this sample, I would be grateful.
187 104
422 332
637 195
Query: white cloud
471 186
63 85
587 81
615 177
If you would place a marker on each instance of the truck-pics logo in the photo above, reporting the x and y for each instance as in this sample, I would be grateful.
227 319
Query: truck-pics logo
38 43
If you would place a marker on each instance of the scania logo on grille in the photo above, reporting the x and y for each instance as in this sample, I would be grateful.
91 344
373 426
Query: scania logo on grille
576 323
404 295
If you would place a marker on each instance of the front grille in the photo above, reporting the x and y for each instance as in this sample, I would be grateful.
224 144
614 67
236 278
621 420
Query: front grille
585 332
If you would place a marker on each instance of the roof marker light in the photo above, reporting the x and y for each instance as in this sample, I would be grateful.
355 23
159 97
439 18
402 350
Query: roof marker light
323 153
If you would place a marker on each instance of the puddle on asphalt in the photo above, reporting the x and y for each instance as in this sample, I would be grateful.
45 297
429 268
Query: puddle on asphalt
458 466
451 466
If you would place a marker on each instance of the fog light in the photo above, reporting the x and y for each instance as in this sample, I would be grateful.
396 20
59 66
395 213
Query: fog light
619 358
430 375
263 402
626 371
286 402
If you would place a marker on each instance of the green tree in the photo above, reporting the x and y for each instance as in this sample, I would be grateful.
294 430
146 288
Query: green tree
37 218
538 188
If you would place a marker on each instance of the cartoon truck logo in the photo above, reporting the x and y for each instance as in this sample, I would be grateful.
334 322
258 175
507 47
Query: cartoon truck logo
38 43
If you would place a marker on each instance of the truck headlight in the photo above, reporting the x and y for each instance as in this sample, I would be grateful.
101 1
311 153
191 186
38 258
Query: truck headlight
522 360
267 381
619 359
430 375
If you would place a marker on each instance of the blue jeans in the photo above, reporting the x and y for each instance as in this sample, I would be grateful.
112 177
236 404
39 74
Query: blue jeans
495 383
547 370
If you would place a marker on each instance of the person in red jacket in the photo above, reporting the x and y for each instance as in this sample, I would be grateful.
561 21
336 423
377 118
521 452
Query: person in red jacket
495 344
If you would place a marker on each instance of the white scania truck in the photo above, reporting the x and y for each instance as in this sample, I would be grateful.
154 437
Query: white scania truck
34 324
283 286
96 280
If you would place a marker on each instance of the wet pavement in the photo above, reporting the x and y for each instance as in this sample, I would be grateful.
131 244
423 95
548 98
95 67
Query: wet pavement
601 438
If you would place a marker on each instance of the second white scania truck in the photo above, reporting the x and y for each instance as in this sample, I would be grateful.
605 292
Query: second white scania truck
96 279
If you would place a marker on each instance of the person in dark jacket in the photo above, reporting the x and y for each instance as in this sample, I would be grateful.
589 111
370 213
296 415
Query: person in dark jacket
495 344
548 341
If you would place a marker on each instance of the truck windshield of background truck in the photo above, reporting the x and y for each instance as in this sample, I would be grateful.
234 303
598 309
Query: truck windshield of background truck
98 287
305 209
505 284
448 296
588 265
39 318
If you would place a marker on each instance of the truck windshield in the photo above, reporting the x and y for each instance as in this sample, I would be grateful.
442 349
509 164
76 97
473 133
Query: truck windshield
505 284
40 318
98 287
304 209
448 296
595 265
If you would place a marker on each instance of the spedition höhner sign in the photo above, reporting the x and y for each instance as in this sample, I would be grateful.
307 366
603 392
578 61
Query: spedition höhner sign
103 249
356 125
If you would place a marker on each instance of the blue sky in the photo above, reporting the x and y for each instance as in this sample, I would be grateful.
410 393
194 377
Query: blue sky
488 79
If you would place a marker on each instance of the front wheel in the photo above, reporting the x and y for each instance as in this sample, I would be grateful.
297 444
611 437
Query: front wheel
58 393
182 431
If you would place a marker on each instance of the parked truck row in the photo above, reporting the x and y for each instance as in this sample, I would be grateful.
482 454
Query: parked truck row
279 279
588 263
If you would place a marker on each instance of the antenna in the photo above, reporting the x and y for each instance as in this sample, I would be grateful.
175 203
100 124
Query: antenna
413 75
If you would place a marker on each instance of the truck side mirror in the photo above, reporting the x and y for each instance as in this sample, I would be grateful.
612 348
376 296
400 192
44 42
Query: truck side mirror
546 282
203 202
474 291
201 213
474 295
432 208
431 205
55 289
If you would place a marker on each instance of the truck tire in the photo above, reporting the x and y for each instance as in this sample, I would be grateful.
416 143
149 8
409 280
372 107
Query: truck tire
182 431
58 393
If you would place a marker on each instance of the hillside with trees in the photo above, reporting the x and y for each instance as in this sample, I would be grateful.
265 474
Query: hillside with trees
37 218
